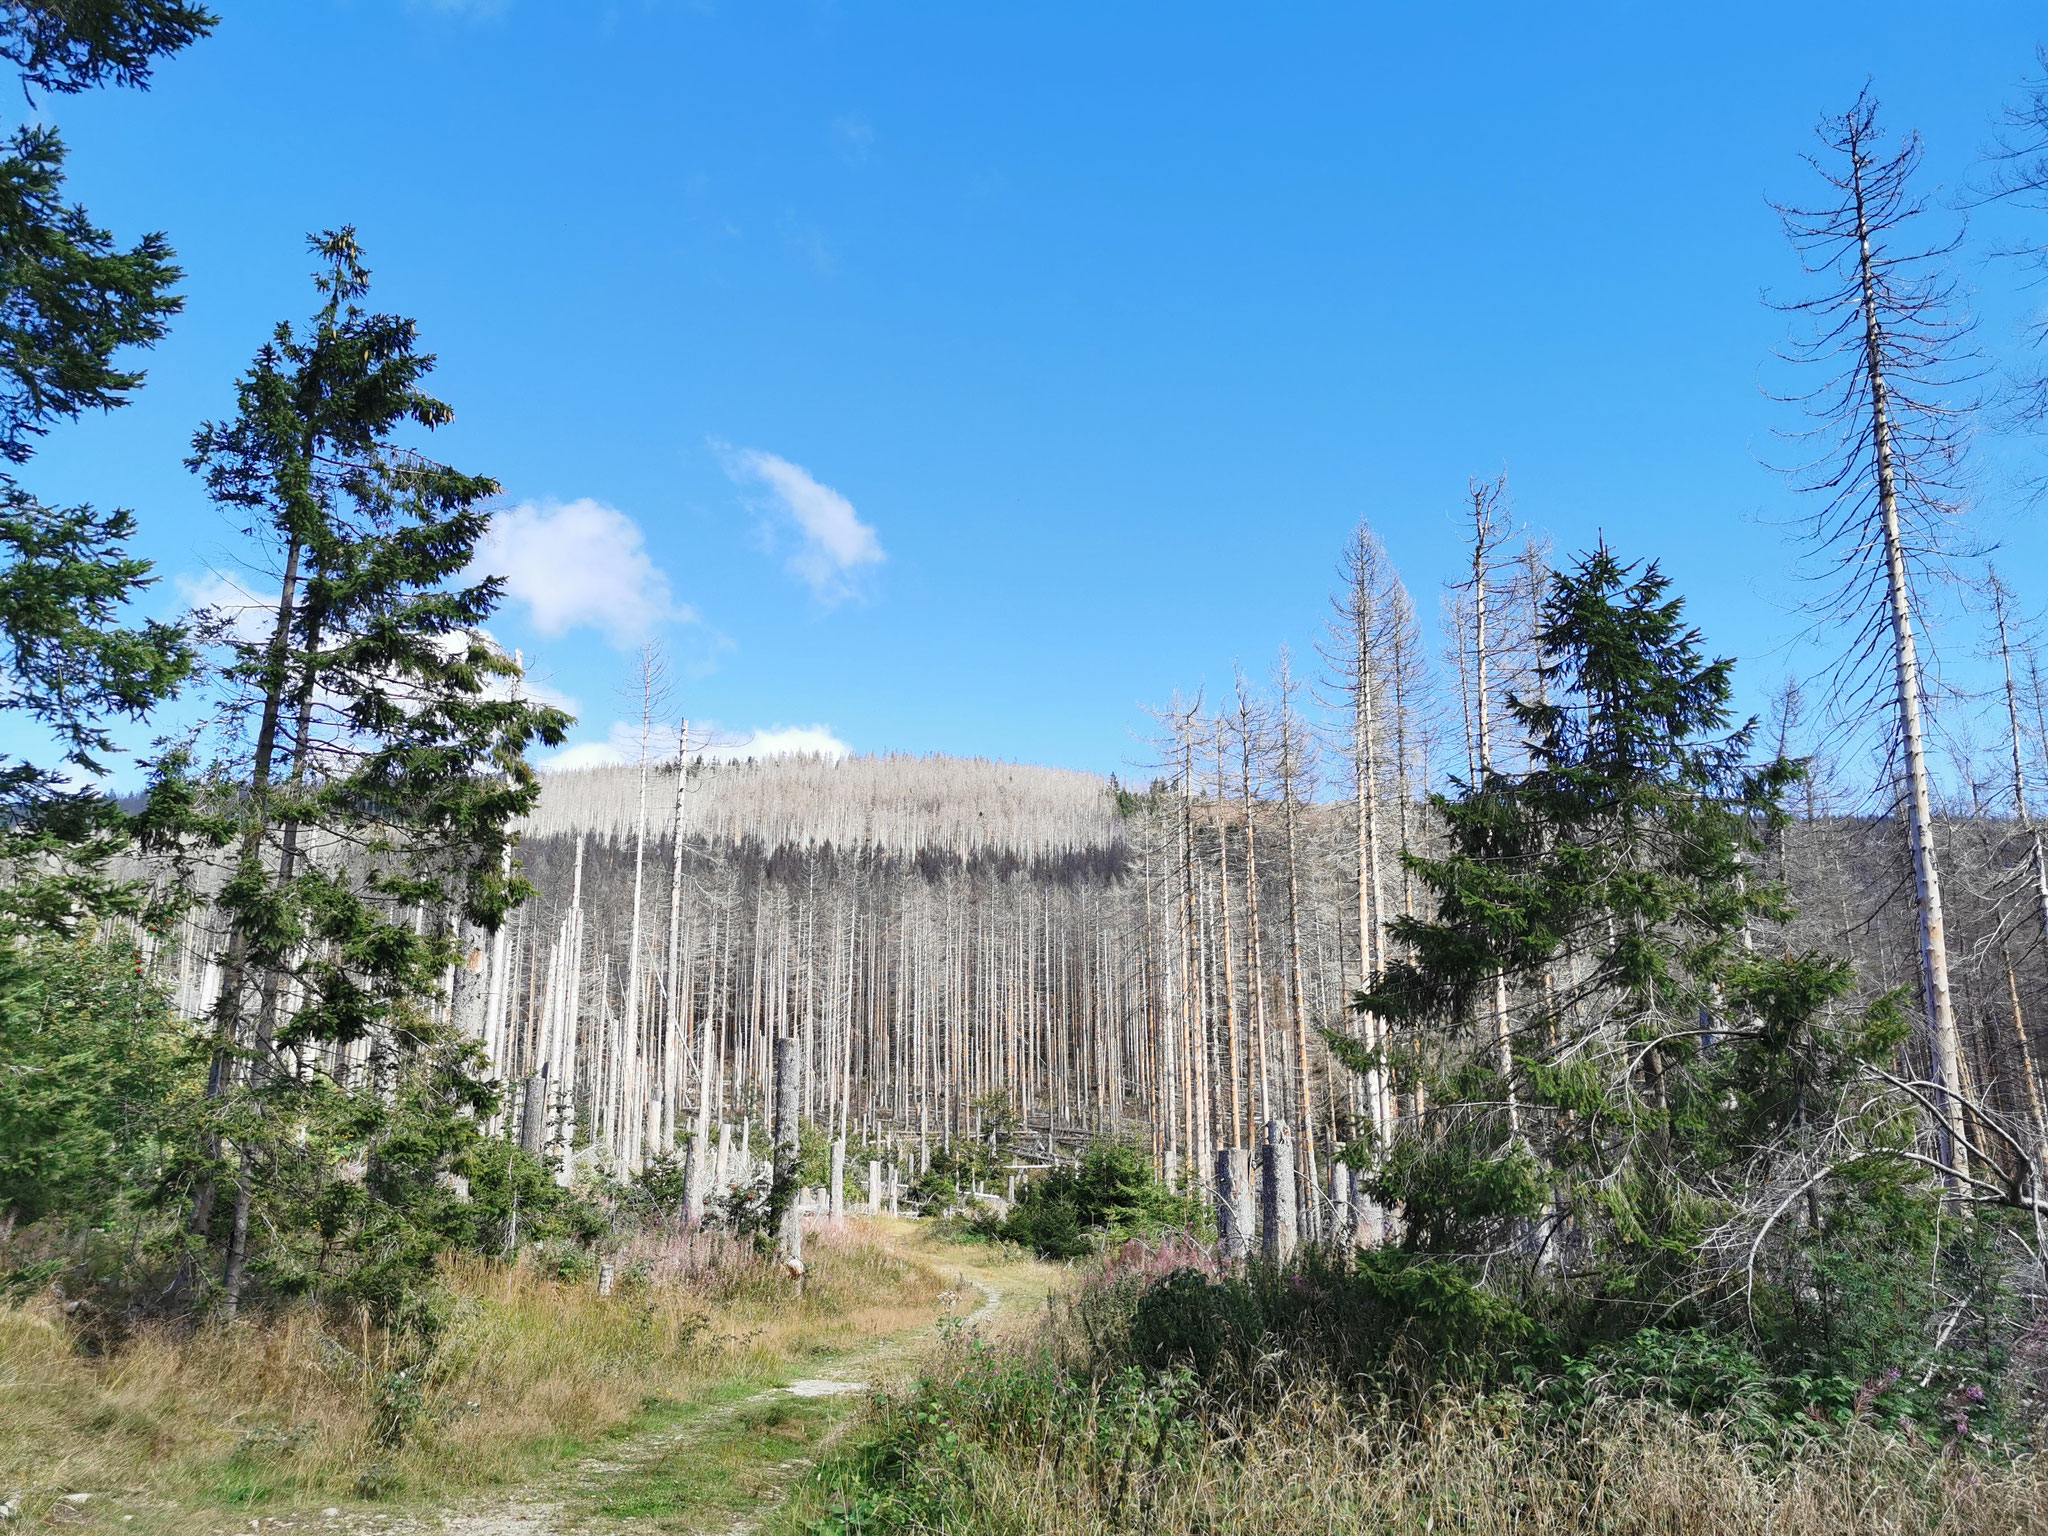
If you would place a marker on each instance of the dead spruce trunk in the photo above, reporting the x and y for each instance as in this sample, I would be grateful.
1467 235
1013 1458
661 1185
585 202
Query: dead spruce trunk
1277 1193
789 1090
1236 1221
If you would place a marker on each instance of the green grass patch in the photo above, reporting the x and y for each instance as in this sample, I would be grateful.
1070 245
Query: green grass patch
729 1468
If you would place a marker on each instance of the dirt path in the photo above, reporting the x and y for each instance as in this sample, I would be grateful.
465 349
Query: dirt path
724 1467
881 1363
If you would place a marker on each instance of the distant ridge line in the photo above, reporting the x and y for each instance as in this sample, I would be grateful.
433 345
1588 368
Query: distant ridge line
893 802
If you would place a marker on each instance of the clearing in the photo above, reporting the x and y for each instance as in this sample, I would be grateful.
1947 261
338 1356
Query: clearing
722 1461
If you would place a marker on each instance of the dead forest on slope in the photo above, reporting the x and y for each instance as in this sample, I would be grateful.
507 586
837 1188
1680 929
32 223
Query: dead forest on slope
932 968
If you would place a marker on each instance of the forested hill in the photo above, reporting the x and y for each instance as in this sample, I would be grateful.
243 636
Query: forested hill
933 929
939 930
895 803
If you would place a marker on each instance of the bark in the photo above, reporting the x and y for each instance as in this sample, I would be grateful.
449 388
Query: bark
1486 534
1290 747
1236 1223
625 1151
1933 937
1240 1087
2028 830
1277 1194
572 1008
789 1093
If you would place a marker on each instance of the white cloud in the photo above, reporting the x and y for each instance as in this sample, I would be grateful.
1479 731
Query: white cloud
210 589
809 240
580 563
834 543
241 613
533 688
250 616
585 754
708 741
782 741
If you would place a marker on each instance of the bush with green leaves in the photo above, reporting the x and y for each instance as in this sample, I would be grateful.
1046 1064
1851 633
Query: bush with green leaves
1400 1326
93 1065
1111 1194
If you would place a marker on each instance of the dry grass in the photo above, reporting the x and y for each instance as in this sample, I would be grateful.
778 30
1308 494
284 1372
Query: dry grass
1012 1440
180 1429
1315 1468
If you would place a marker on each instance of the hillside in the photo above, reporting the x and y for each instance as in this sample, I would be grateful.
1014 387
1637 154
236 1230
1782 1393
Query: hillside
894 804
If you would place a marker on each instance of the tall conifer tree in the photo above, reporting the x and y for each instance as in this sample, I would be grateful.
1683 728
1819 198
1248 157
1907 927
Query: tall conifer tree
72 301
378 757
1604 894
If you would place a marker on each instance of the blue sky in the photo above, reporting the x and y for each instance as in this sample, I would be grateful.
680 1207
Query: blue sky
959 378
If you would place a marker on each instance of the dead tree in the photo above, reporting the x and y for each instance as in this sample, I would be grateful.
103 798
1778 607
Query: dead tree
1276 1191
2001 609
1239 1082
1890 435
1248 726
1236 1226
789 1097
2018 173
1473 605
1292 769
1367 613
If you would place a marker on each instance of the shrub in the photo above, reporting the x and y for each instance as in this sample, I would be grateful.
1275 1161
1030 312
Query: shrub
1112 1194
1402 1326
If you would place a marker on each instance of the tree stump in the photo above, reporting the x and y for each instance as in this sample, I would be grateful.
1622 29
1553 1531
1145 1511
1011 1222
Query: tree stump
1276 1185
1236 1221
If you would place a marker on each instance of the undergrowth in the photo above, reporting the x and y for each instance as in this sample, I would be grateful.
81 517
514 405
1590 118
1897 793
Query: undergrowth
1111 1195
1169 1394
311 1405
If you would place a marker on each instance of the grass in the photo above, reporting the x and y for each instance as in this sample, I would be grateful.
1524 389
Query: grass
728 1469
1056 1434
302 1409
1315 1465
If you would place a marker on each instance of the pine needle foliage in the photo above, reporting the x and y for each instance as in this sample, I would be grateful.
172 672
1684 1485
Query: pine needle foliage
74 303
1619 860
374 768
71 45
380 709
1692 1128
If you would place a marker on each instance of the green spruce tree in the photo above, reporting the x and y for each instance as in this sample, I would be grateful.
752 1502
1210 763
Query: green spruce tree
72 302
376 766
1685 1080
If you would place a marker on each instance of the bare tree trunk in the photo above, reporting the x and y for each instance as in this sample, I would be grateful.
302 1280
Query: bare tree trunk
1192 1079
532 1114
238 1237
675 1023
1934 978
1487 532
1277 1193
1362 615
2028 1076
789 1147
1255 980
627 1071
1240 1087
1404 655
2000 601
1290 776
1236 1225
234 963
572 1017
